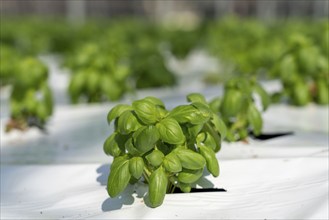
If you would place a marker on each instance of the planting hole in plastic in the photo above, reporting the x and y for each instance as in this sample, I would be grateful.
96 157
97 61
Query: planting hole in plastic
267 136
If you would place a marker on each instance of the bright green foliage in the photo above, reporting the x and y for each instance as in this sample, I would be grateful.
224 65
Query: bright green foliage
196 97
295 52
99 73
166 150
155 158
117 111
158 187
111 145
238 110
304 72
119 176
172 163
146 111
108 59
255 119
145 138
119 59
9 59
136 167
31 101
128 122
170 131
189 176
209 155
190 159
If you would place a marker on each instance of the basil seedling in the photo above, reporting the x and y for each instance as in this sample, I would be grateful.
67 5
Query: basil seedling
165 149
238 109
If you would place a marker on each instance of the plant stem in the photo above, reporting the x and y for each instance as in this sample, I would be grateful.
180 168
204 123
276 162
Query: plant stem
146 174
173 189
170 187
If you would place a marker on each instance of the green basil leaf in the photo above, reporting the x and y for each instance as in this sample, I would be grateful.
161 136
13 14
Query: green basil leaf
41 111
288 65
300 93
204 110
232 103
194 130
155 158
157 187
266 100
211 160
111 88
136 166
255 119
201 137
77 83
161 112
172 163
190 176
219 125
196 113
119 177
243 133
183 113
117 111
119 160
111 146
132 149
244 86
92 82
185 187
190 159
213 137
154 101
196 97
30 101
210 141
230 136
146 111
128 123
145 138
122 72
215 103
231 84
48 98
170 131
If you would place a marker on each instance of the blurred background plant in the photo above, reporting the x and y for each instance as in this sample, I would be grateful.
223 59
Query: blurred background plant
238 108
113 48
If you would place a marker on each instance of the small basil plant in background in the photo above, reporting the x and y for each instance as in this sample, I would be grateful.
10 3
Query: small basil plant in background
31 101
304 73
238 108
165 149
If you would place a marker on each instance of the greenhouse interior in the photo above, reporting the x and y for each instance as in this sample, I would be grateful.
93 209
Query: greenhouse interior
164 109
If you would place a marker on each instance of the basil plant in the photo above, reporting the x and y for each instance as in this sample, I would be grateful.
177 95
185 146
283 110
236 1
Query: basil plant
31 101
165 149
238 109
304 73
